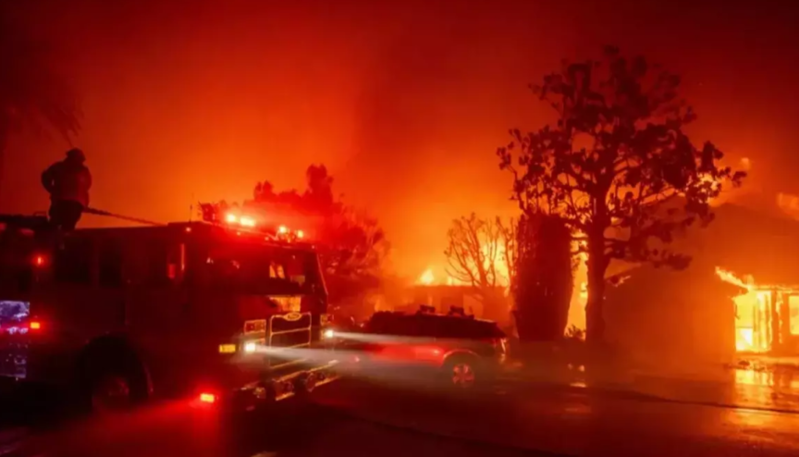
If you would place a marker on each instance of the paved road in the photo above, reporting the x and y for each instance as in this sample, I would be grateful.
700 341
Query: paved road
177 430
581 423
359 419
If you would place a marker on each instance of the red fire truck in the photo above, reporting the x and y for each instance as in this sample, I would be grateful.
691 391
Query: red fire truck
213 311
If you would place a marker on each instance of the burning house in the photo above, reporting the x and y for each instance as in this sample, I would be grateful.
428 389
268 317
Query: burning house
758 252
740 294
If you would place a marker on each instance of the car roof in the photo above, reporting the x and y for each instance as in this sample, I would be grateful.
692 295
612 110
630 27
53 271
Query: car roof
433 316
443 323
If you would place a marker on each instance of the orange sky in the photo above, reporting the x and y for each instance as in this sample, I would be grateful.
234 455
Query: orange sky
405 101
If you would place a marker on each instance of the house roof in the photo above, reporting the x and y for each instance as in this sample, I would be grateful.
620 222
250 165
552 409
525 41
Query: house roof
763 244
699 278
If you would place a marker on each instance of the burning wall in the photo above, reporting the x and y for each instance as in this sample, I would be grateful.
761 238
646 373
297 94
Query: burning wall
766 316
678 318
755 251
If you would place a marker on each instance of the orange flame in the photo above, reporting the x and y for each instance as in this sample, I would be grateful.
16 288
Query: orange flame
427 278
752 333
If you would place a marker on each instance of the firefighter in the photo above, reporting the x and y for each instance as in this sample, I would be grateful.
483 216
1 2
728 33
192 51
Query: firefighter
68 183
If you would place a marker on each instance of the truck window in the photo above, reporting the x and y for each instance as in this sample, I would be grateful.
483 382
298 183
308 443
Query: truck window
255 268
73 263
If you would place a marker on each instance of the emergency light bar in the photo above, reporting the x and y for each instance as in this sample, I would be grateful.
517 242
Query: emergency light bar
234 219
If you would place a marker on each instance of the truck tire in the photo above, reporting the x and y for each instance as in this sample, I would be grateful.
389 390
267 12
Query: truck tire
112 383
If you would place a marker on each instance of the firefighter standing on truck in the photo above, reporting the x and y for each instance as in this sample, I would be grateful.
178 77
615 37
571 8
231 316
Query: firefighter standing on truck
68 183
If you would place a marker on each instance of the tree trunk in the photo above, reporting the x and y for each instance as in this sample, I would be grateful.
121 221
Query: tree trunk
594 317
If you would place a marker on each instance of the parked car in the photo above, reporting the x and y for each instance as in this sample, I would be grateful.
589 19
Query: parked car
460 351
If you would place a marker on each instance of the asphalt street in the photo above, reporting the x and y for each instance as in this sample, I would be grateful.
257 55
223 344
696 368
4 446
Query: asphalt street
374 418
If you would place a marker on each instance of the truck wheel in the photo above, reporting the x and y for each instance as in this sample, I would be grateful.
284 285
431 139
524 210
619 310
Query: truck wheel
110 392
111 388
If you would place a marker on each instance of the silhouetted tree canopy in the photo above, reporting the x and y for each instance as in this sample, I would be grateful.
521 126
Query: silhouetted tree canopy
352 246
616 154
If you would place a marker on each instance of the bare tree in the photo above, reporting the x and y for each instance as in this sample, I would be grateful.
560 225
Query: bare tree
482 254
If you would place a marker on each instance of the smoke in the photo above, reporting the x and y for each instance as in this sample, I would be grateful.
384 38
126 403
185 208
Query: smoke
405 102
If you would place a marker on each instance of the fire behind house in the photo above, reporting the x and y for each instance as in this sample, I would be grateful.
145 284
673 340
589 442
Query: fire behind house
740 293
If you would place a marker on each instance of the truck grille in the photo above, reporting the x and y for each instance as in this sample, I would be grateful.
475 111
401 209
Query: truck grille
289 323
292 330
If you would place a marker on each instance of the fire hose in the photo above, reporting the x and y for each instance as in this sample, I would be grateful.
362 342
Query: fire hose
99 212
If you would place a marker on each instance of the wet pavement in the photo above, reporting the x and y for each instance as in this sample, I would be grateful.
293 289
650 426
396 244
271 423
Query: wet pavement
582 422
768 387
395 417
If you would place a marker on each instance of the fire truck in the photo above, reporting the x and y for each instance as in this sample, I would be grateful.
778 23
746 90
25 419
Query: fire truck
217 312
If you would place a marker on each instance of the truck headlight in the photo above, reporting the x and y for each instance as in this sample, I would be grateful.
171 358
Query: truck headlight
328 334
250 347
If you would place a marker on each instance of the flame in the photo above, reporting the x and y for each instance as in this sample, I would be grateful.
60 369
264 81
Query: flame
579 299
789 204
494 256
729 277
427 278
752 332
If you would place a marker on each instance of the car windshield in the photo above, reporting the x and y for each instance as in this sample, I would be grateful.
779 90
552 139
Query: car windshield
256 268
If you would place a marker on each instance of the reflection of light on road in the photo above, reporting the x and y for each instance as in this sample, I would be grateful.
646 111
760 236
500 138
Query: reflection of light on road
754 377
754 387
752 418
578 409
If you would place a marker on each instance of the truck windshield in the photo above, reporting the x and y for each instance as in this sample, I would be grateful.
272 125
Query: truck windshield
254 268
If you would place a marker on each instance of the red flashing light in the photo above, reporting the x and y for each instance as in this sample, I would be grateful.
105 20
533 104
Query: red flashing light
38 260
35 325
206 397
243 221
